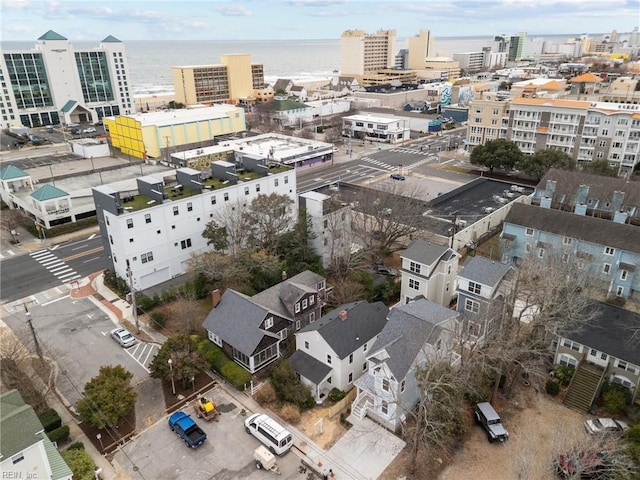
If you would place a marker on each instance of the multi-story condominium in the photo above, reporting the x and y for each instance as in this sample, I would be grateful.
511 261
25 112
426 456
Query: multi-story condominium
586 131
55 83
470 62
234 80
361 52
154 231
516 47
420 48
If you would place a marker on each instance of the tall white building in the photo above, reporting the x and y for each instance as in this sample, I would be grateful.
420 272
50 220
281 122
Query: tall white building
361 52
155 230
55 83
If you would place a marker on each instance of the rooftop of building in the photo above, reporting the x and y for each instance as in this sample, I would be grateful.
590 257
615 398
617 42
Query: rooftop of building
191 114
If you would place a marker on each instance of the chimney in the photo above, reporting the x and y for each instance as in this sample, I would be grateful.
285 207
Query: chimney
215 297
343 315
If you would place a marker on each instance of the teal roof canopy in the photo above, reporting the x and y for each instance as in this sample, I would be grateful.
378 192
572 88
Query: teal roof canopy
51 35
11 173
69 106
111 39
48 192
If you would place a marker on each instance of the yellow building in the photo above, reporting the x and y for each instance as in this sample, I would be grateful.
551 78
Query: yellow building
151 135
420 48
443 64
361 52
231 81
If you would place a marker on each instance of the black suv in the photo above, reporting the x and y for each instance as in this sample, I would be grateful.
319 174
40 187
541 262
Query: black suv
486 416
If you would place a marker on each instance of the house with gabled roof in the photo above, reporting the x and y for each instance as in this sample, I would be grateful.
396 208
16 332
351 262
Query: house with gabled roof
284 112
415 335
282 85
25 450
250 330
428 270
484 286
331 352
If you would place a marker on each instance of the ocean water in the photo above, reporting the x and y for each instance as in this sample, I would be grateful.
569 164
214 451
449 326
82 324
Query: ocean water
150 62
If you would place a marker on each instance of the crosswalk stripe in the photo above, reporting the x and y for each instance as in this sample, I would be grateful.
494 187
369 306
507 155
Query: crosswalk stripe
49 262
39 253
61 277
57 268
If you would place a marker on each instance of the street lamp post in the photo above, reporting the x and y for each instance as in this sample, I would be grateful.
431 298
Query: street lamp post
173 385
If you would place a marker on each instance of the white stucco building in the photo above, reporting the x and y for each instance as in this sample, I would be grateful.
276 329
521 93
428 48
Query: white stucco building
376 128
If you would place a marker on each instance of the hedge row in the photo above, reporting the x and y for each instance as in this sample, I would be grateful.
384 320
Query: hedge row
60 229
60 434
222 364
50 420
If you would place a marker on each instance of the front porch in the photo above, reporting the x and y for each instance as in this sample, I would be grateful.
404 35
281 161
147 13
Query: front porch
365 399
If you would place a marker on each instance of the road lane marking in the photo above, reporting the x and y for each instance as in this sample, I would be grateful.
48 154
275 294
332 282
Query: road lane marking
83 254
92 259
55 300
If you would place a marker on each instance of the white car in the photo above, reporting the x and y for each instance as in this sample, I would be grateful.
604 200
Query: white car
604 425
123 337
89 130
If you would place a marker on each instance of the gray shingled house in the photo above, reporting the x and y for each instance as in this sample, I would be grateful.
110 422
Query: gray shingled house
250 329
415 334
331 352
25 450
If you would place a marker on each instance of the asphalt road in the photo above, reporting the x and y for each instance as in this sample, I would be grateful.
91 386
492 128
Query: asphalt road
44 269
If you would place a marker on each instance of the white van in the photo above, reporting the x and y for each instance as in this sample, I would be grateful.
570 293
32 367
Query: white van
268 431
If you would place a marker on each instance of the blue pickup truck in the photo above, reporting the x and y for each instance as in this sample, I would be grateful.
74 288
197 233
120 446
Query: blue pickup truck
187 429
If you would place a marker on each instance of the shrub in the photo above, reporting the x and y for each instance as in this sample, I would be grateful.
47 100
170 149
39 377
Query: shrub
237 375
564 373
335 395
117 284
633 434
60 434
76 446
266 394
290 414
552 387
614 401
147 303
158 319
50 420
288 387
80 463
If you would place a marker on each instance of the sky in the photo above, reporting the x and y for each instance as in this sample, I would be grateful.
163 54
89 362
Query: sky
89 20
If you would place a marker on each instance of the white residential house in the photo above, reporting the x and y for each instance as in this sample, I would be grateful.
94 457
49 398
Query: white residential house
415 335
484 285
331 352
428 270
156 230
25 450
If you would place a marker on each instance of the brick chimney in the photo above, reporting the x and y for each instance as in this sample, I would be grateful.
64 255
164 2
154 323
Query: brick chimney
215 297
343 315
284 275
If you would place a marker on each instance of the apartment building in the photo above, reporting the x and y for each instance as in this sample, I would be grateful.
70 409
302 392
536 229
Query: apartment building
472 62
55 83
584 130
420 48
233 80
516 47
361 52
155 230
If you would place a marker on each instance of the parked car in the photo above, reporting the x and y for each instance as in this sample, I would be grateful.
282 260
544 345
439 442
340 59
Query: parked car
488 418
384 270
188 430
397 176
123 337
582 465
605 425
89 130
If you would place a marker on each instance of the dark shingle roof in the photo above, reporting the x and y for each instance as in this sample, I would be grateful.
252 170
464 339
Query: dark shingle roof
364 321
281 297
610 332
424 252
484 270
236 320
407 330
590 229
309 367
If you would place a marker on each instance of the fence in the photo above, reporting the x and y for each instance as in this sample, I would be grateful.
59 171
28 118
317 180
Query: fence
344 403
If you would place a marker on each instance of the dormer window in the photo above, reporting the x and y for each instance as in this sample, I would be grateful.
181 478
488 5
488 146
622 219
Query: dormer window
312 299
474 287
304 303
414 267
297 308
268 323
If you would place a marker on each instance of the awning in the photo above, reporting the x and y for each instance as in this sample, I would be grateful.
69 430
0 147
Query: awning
508 236
543 245
628 267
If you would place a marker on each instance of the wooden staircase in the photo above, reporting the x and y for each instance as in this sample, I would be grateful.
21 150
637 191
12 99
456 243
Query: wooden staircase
584 386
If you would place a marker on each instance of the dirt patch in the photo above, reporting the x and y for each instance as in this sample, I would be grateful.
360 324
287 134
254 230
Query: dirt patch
107 440
324 431
183 395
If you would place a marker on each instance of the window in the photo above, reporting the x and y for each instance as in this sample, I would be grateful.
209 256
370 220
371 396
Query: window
527 247
603 356
213 199
625 366
609 251
268 323
111 239
623 274
364 366
385 384
306 345
329 380
246 190
284 333
540 252
146 257
621 381
414 267
226 196
351 358
414 284
471 306
215 339
567 241
129 223
593 352
474 287
185 243
620 291
329 359
568 361
297 308
364 348
298 324
572 345
286 179
529 232
402 385
350 377
384 408
275 182
189 207
147 218
304 303
258 188
312 299
606 268
176 210
18 458
131 240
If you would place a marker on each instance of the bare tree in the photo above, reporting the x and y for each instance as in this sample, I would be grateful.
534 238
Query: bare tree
346 290
187 308
267 217
9 222
219 269
228 231
344 253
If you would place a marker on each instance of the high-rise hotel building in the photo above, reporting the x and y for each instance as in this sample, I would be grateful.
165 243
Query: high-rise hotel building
362 53
55 83
584 130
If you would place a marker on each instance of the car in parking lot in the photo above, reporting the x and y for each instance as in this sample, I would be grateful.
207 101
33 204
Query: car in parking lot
123 337
486 416
397 176
605 425
89 130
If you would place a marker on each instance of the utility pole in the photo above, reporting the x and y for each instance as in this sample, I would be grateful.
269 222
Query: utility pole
133 298
27 314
